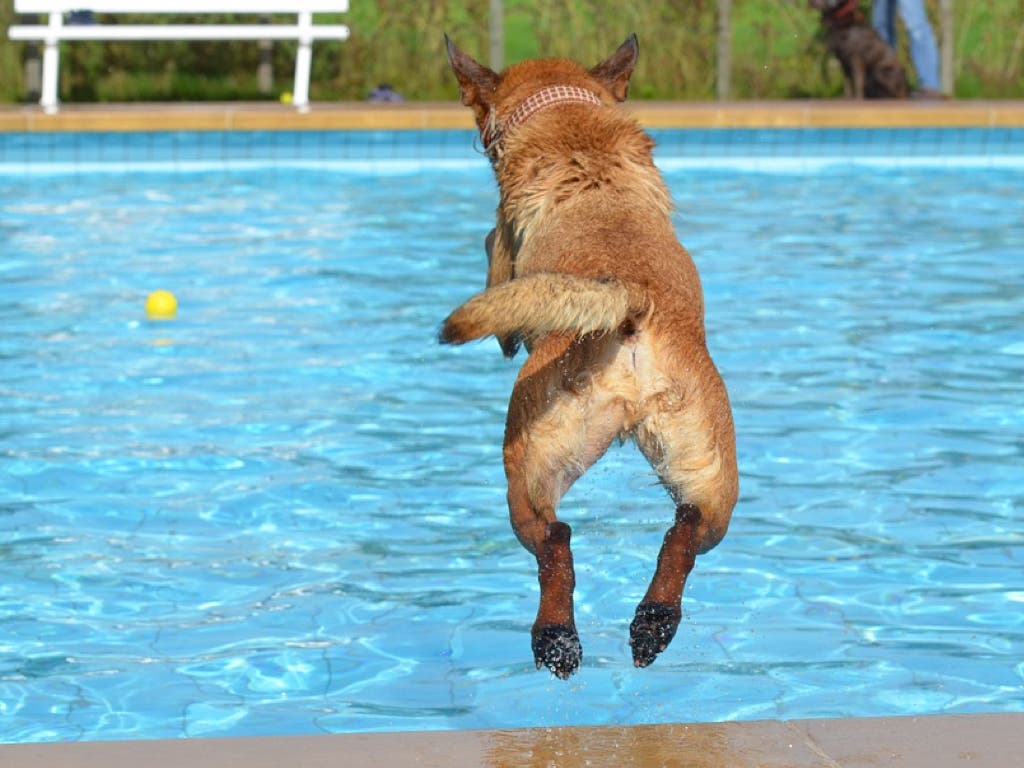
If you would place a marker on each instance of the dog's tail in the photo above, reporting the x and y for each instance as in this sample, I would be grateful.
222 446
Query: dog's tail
542 303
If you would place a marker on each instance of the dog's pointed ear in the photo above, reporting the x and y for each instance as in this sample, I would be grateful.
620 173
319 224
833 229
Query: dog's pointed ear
476 82
615 71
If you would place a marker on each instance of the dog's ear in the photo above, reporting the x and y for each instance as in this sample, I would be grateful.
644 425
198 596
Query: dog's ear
615 71
476 82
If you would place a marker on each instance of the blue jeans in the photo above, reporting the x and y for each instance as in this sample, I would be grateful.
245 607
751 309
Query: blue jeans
923 50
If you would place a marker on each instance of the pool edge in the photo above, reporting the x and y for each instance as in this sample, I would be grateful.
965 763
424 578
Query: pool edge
265 116
980 741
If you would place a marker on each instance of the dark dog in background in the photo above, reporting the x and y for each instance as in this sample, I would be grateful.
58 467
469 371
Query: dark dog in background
871 69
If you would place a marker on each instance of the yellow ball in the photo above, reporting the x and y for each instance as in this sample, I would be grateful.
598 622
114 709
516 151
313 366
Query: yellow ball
161 305
286 97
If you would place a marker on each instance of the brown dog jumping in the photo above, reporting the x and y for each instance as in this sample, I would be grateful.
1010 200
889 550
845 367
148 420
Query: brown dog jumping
586 271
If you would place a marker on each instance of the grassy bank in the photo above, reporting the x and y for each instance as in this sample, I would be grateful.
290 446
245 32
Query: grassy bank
777 52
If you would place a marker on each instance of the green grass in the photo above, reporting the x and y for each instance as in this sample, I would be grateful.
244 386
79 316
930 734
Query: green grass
777 48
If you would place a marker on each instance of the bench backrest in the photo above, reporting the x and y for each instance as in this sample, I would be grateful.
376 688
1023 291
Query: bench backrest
181 6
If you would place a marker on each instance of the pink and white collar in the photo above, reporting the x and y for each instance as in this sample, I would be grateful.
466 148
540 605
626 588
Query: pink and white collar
494 130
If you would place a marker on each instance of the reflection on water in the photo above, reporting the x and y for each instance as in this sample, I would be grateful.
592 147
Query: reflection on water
704 747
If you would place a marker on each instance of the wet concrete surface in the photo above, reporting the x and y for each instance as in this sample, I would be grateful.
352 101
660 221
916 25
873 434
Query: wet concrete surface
971 741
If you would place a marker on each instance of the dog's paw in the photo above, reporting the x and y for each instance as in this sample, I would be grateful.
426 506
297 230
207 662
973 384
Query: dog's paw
652 630
558 648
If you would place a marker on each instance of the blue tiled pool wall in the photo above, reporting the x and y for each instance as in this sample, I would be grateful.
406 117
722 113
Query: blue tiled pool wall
25 150
234 146
819 142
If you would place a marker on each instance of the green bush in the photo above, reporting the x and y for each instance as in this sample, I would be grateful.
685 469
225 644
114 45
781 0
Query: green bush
778 52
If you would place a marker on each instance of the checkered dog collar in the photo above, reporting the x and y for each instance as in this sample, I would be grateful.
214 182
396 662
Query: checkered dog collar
495 130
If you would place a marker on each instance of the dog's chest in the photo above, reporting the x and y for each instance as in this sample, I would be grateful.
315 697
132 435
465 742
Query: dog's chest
858 42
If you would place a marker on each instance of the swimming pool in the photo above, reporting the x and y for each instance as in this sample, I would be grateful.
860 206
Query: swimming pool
283 511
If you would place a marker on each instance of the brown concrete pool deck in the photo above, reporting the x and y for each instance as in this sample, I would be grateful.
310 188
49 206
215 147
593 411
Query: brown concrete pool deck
420 115
971 741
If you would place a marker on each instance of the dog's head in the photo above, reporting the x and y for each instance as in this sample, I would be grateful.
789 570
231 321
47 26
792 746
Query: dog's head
494 96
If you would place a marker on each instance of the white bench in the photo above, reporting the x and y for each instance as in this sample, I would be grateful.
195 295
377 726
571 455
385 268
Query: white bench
304 30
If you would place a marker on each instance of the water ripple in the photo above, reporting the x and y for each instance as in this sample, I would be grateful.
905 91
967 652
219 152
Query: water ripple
285 510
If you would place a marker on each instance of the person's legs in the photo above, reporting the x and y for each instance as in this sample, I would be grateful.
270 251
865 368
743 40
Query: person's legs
923 50
883 19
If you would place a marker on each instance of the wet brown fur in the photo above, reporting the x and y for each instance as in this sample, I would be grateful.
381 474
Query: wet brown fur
585 268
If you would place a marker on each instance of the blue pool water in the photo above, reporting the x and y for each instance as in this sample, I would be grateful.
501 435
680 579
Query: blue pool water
283 511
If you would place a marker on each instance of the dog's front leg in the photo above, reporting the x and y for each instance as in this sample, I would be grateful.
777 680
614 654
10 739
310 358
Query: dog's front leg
501 269
659 613
859 72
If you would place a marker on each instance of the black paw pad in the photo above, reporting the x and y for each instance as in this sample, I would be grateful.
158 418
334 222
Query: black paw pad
558 648
652 630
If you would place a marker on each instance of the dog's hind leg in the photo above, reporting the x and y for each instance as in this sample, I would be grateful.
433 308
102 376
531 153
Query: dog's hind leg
554 639
553 434
688 438
657 616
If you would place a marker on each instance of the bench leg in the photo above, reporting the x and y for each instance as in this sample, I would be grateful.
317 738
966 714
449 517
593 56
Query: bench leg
51 65
303 64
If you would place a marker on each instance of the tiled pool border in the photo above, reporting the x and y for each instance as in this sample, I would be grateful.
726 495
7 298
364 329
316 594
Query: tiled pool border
368 137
